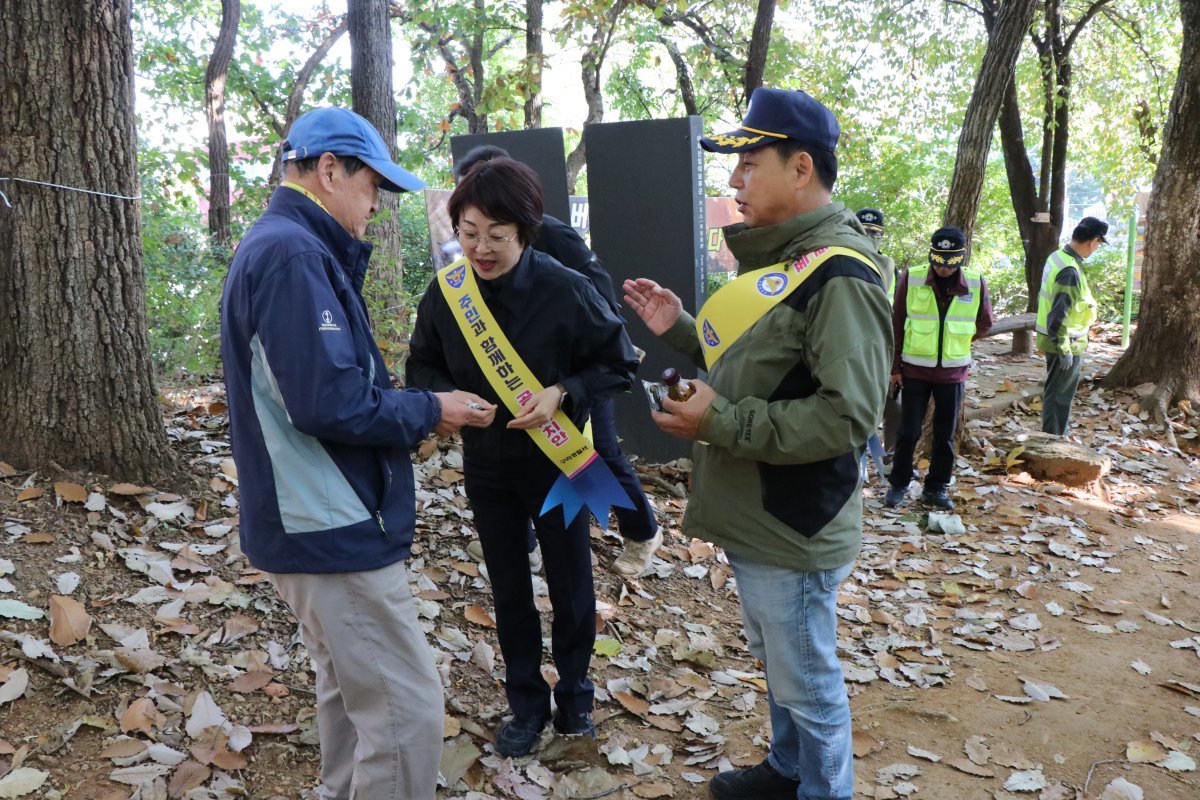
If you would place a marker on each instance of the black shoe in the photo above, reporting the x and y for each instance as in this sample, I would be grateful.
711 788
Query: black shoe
574 724
759 782
518 736
895 496
937 497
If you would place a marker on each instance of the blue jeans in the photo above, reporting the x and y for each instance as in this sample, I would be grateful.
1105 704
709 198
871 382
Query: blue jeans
791 626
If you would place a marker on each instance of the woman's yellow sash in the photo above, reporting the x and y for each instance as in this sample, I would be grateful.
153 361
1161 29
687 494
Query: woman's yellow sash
516 385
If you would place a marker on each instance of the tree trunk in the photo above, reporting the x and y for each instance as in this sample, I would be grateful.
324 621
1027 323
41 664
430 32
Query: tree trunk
687 90
1006 27
371 89
534 55
760 43
296 95
1166 346
591 64
214 112
1040 205
76 383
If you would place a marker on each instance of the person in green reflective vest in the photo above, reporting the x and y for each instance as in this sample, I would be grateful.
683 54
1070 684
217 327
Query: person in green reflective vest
937 312
1066 310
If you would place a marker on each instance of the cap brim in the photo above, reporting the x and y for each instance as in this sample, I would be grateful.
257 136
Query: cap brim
736 141
395 179
871 226
1103 239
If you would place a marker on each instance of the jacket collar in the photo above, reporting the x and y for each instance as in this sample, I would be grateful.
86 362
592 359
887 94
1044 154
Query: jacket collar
956 289
512 290
352 254
828 226
1071 252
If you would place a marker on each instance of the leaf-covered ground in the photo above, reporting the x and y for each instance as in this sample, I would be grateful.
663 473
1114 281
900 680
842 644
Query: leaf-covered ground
1051 649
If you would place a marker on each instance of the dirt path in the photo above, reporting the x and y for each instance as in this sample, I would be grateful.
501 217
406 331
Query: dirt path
956 647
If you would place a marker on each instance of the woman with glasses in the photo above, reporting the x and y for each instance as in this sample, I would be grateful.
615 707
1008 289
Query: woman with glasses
573 344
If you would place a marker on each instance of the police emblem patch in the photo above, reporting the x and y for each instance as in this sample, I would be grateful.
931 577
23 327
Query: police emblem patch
772 283
710 335
456 276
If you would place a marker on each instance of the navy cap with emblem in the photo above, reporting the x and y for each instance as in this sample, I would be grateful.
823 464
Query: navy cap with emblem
775 115
871 219
947 247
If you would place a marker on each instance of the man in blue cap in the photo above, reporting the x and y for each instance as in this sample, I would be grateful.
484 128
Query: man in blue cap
797 361
321 441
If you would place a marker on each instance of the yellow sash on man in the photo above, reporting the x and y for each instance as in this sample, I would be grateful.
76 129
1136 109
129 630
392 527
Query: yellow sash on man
513 382
737 305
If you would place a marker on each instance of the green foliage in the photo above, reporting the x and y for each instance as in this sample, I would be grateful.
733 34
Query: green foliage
184 271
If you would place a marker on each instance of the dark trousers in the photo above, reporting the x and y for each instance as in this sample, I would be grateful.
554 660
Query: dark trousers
637 523
914 399
505 496
1062 379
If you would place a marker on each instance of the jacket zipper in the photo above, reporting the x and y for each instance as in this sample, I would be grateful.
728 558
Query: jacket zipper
387 485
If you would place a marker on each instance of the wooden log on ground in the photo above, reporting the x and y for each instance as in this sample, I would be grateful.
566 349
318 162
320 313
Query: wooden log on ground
1017 322
1051 458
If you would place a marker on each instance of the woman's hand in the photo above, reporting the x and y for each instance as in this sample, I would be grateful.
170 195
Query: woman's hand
540 408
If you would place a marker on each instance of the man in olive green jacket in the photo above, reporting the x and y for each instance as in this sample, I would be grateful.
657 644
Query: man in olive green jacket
780 427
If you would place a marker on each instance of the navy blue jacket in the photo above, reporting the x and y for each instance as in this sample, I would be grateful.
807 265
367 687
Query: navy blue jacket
320 437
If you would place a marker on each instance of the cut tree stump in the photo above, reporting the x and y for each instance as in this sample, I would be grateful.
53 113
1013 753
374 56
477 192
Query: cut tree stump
1051 458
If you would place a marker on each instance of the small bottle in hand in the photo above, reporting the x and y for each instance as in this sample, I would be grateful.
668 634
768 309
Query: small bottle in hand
678 389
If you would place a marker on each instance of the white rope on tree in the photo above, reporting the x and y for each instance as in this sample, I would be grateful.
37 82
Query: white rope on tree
68 188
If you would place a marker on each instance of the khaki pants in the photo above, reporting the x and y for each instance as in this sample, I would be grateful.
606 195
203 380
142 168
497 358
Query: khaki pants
379 698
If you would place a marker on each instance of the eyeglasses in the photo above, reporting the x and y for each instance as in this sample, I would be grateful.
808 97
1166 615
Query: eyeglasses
494 239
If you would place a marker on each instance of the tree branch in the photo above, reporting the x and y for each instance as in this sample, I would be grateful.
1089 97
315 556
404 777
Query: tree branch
1092 11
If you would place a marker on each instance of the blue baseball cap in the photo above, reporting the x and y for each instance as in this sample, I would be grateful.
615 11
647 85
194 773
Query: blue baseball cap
775 115
342 132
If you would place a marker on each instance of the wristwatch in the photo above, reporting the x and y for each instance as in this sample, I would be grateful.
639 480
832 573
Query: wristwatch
563 396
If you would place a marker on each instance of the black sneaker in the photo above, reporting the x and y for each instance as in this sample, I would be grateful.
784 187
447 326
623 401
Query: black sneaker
937 497
574 724
759 782
518 736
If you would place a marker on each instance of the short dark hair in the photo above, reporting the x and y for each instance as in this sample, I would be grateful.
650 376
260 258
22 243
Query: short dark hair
484 152
351 164
505 190
824 162
1083 233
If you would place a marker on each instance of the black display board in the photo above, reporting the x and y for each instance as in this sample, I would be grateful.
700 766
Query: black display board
646 201
540 148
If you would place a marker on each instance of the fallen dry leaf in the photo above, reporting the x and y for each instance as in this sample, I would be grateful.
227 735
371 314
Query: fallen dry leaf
476 614
70 492
69 621
32 493
141 716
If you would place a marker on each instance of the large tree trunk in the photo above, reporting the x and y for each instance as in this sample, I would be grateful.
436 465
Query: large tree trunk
760 43
76 384
1166 347
534 55
371 89
214 112
1006 25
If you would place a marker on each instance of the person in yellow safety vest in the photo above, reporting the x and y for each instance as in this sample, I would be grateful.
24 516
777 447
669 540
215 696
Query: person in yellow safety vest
937 312
1066 310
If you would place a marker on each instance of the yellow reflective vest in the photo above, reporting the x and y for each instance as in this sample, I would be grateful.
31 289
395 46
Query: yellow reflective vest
1080 314
929 340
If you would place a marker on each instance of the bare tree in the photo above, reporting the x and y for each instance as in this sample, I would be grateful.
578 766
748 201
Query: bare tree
1006 23
760 44
370 28
535 57
214 112
590 66
1039 202
76 382
1166 346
